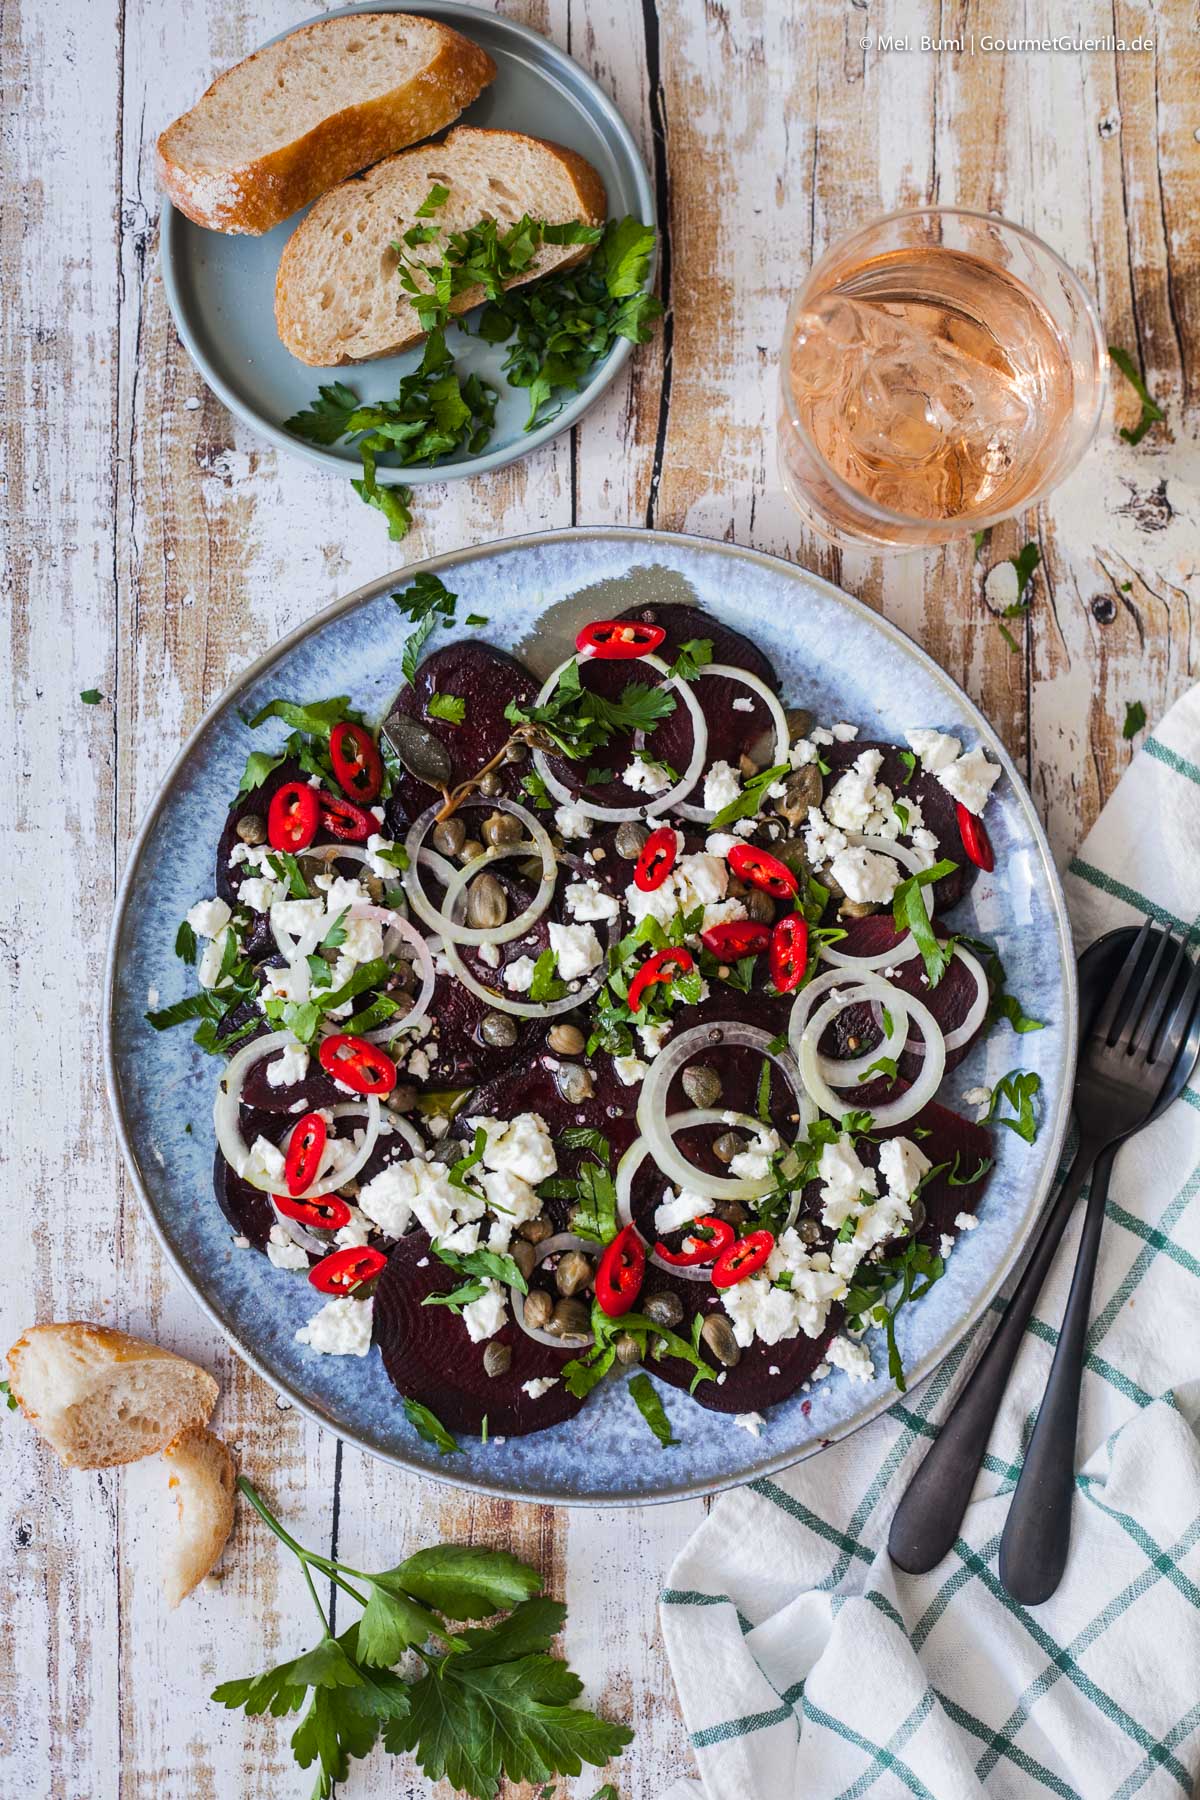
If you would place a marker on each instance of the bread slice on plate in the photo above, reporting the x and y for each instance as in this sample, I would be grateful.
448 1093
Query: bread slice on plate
99 1397
338 296
302 114
201 1477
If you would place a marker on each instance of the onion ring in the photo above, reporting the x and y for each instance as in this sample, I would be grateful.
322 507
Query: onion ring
892 1112
845 1073
704 815
976 1013
466 934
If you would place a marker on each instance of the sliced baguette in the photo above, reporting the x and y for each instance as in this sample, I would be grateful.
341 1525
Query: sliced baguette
99 1397
302 114
201 1478
338 297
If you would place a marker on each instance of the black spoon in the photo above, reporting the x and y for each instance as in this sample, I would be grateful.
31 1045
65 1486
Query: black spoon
931 1510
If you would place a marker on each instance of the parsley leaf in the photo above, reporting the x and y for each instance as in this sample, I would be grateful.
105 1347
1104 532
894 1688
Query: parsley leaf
429 1427
1017 1089
427 602
185 943
692 657
433 202
485 1265
545 984
881 1291
909 914
646 1399
326 420
1135 719
316 717
91 696
749 801
1151 411
451 707
10 1399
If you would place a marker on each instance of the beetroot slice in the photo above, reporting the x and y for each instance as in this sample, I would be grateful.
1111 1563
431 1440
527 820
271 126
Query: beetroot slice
430 1358
937 809
487 680
949 1002
315 1088
247 1210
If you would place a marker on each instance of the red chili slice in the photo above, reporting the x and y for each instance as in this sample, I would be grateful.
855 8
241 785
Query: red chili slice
737 937
664 966
657 859
356 761
342 819
327 1213
357 1064
305 1149
347 1269
618 639
620 1273
744 1258
293 816
975 840
703 1250
763 870
789 953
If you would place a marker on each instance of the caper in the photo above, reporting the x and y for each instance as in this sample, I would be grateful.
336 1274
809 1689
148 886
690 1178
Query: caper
733 1213
568 1040
535 1231
469 849
402 980
627 1347
497 1359
402 1098
664 1308
487 903
747 767
630 840
857 909
448 836
538 1308
501 828
702 1085
760 907
918 1216
499 1030
729 1145
524 1255
419 749
808 1231
799 722
574 1272
531 869
251 829
790 851
717 1333
801 790
570 1319
736 888
491 784
574 1083
374 888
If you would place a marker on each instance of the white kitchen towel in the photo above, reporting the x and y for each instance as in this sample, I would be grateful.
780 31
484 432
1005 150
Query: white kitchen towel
808 1666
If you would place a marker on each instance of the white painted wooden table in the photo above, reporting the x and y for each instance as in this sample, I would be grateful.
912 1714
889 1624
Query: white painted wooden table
152 546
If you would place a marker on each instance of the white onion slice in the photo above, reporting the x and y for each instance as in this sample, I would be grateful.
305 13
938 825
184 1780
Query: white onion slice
652 1104
553 1246
227 1122
845 1073
400 928
704 815
466 934
907 946
496 998
977 1012
892 1112
658 803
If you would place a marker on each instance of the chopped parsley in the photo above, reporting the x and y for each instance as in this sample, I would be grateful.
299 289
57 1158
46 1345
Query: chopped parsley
881 1290
451 707
1152 413
749 801
1135 719
909 914
1018 1089
645 1398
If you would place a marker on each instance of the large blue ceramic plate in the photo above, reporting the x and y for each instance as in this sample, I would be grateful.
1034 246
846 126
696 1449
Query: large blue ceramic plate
832 654
221 289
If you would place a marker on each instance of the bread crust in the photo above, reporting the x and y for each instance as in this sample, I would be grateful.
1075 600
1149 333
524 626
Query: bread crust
261 193
202 1479
591 199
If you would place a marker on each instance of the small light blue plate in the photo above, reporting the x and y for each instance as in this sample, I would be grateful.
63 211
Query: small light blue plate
221 290
833 655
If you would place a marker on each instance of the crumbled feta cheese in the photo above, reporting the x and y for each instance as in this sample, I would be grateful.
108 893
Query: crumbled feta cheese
208 918
819 735
720 843
518 974
845 734
865 875
511 1195
576 948
573 821
935 749
265 1160
355 1232
363 942
539 1386
822 840
290 1065
211 959
259 893
341 1328
489 954
678 1209
743 703
754 1163
522 1146
803 752
653 1038
698 881
418 1065
845 1183
857 801
970 780
376 845
646 777
282 1253
341 892
629 1069
945 1244
297 916
1002 585
401 1189
902 1166
751 1422
486 1316
966 1221
977 1096
722 786
855 1359
586 900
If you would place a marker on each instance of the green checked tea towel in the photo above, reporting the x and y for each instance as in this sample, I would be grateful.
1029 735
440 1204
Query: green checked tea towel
808 1666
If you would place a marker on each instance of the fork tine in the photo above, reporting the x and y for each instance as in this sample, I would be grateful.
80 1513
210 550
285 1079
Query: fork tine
1151 1002
1179 1023
1103 1028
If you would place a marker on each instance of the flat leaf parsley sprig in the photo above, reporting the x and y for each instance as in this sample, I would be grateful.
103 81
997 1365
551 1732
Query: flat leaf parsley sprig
491 1701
